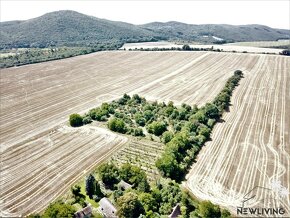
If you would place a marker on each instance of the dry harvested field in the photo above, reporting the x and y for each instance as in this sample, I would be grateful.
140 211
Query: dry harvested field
37 99
263 44
226 47
252 147
34 173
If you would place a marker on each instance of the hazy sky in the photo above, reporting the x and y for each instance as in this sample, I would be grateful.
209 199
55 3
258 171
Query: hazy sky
271 13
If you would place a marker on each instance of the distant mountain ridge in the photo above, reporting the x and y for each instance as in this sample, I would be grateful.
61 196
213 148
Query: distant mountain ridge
71 28
230 33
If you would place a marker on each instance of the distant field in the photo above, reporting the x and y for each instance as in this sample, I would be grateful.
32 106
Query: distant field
226 47
37 99
263 44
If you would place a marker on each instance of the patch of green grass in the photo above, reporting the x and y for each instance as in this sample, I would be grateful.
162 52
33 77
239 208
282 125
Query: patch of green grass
83 191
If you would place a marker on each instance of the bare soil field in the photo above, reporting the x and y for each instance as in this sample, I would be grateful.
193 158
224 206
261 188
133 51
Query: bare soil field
263 44
250 150
239 47
40 159
36 172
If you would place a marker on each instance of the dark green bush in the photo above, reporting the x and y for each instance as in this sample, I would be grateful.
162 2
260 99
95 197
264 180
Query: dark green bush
117 125
75 120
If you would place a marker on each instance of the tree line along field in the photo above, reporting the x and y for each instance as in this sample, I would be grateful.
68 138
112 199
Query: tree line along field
272 47
251 148
37 98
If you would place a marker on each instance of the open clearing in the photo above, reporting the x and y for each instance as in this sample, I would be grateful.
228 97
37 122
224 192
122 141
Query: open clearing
36 99
251 148
141 153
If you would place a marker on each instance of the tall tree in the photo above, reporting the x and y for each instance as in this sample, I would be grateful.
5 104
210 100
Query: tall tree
90 186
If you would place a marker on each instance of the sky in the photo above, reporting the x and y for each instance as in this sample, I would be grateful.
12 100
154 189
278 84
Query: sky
271 13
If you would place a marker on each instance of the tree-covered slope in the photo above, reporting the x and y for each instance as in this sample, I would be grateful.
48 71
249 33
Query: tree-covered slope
70 28
205 33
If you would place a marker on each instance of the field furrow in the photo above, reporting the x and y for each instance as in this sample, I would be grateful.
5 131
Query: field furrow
41 157
249 150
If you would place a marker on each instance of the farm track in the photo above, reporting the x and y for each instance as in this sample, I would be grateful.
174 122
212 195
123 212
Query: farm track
251 148
40 159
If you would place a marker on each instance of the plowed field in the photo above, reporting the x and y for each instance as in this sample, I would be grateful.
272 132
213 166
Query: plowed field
40 158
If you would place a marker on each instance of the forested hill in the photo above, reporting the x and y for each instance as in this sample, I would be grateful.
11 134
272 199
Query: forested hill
218 32
70 28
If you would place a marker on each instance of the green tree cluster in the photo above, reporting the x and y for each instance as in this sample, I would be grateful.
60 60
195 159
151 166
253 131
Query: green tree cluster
192 130
129 206
59 209
78 196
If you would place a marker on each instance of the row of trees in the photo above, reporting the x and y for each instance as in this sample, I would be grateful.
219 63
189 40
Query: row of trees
182 146
183 48
36 55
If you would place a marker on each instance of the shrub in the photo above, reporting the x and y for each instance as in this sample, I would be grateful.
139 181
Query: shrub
208 209
75 120
87 120
186 48
109 174
157 128
117 125
285 52
137 132
238 73
167 136
139 119
78 196
168 166
129 206
211 111
148 115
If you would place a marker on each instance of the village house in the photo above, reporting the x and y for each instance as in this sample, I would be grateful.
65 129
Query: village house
124 185
107 208
175 212
85 212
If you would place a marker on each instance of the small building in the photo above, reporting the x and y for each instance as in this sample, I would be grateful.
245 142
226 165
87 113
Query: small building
175 212
107 208
85 212
124 185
